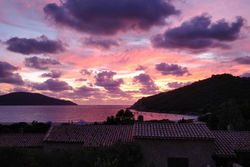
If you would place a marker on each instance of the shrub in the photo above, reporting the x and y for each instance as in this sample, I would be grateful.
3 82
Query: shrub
119 155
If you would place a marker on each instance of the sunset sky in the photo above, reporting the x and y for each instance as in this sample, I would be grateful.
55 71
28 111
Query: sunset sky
117 51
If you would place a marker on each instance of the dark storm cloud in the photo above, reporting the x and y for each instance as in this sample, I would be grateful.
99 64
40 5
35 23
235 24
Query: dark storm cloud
34 46
175 85
200 33
7 74
107 17
105 80
40 63
171 69
148 85
52 85
101 43
52 74
243 60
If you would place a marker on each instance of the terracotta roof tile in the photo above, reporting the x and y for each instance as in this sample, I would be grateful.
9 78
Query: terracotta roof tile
21 140
90 135
227 143
186 131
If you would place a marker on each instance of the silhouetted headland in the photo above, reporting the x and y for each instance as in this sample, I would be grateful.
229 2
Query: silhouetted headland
25 98
198 97
221 101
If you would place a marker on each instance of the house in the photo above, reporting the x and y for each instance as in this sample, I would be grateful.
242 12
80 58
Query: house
164 144
231 147
75 136
176 144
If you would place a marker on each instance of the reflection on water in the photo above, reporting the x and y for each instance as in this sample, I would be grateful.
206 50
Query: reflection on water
88 113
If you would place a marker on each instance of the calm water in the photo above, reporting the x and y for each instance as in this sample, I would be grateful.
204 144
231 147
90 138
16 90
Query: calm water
87 113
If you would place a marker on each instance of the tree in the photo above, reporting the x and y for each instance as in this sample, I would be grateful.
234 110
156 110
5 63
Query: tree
140 118
122 117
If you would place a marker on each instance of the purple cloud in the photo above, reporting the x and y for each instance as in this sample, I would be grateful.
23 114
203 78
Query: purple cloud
52 85
140 68
243 60
40 63
176 85
86 72
52 74
19 89
105 80
246 74
85 91
101 43
6 69
171 69
7 74
109 17
199 33
81 79
148 85
34 46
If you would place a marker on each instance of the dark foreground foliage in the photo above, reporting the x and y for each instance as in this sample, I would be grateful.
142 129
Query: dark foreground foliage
22 127
122 117
127 117
230 115
120 155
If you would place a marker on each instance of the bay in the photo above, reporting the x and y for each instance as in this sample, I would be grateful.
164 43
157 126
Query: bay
86 113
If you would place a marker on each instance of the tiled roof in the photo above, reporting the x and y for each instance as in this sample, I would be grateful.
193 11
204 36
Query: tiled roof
21 140
90 135
227 143
185 131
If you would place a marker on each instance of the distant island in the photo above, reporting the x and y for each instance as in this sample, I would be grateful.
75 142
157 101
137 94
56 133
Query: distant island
25 98
221 100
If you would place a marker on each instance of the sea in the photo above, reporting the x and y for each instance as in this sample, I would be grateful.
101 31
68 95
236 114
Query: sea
75 114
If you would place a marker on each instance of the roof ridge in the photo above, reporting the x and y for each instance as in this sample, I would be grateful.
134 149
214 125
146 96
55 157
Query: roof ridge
191 123
244 131
48 133
168 130
10 134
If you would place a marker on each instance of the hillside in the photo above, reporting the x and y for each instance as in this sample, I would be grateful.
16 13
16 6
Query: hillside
199 97
222 101
25 98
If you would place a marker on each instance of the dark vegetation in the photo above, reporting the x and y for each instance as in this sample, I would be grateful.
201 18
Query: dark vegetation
25 98
127 117
22 127
223 101
186 120
230 115
122 117
119 155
